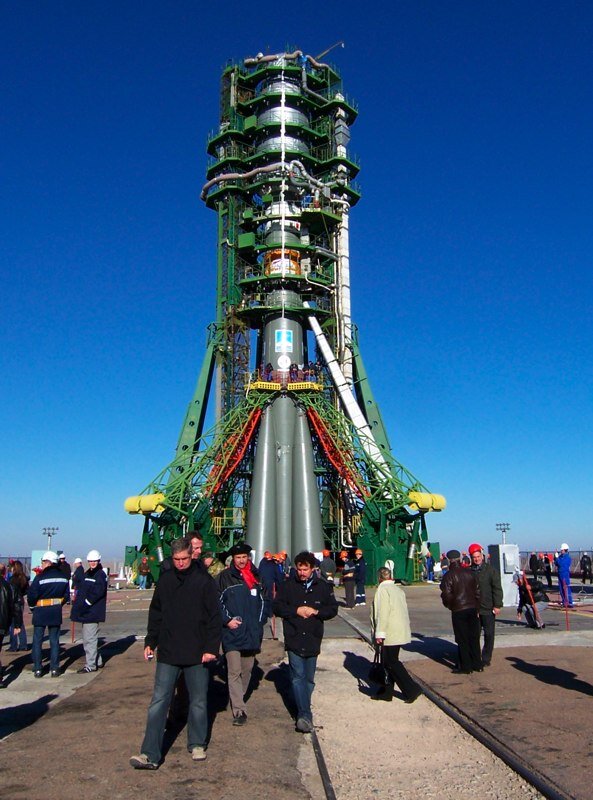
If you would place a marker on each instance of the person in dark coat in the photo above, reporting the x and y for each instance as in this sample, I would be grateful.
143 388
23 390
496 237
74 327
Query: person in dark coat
328 567
586 568
47 593
90 608
20 584
304 602
63 565
360 577
460 593
490 598
534 565
184 629
244 612
348 578
270 574
11 613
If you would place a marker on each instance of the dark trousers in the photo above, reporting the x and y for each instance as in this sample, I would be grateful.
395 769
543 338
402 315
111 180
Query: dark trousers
548 574
466 627
487 621
349 588
398 673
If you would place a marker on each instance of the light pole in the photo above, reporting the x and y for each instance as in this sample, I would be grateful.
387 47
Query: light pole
49 532
503 528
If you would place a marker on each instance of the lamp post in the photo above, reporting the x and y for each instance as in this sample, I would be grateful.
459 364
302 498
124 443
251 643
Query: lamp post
49 532
503 528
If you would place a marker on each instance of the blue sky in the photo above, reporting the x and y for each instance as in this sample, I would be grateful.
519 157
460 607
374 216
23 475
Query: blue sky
471 249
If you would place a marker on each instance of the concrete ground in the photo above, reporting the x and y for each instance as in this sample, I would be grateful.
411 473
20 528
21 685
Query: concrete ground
61 732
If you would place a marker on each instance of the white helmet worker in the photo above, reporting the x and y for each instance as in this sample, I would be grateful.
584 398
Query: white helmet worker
49 555
93 555
78 560
564 546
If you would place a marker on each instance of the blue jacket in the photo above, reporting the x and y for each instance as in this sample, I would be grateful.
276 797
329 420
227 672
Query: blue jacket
360 571
91 597
237 600
50 584
563 564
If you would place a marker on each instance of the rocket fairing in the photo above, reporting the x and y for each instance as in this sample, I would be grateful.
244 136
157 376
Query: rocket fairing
300 459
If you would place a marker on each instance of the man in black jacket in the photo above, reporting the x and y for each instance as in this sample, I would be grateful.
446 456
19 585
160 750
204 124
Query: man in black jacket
184 627
304 602
460 593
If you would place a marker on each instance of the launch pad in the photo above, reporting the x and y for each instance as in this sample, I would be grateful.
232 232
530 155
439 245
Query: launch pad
298 457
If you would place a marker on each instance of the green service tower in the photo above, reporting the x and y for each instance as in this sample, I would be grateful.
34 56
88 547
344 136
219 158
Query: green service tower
298 457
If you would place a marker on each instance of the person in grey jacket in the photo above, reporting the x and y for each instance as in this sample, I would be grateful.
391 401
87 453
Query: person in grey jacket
490 597
390 625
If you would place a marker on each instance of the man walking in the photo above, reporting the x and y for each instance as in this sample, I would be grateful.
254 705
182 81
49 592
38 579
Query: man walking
390 625
90 608
490 598
460 593
184 628
244 613
47 593
586 568
304 602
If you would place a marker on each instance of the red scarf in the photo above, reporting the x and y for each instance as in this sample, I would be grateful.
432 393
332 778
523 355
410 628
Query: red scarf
248 576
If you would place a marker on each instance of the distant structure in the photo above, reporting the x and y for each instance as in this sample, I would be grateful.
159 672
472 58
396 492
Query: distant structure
299 457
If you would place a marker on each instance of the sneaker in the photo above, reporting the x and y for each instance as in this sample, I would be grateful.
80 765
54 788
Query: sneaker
84 670
304 725
240 718
142 762
38 673
198 754
55 673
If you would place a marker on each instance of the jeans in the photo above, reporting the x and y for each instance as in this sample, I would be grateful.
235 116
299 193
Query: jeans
142 581
196 679
90 641
53 632
302 674
18 642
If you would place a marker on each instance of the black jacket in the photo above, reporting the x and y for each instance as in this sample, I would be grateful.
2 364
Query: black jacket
303 636
184 617
490 587
460 589
237 600
10 611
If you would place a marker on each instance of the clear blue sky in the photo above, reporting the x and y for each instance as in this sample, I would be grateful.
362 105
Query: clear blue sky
471 249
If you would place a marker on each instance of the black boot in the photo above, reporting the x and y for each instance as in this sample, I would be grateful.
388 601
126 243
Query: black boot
384 693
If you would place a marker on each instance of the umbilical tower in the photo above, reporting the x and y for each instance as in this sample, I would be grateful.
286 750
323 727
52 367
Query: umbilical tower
297 455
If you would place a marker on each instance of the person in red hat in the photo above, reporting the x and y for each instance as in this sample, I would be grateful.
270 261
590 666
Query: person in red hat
490 598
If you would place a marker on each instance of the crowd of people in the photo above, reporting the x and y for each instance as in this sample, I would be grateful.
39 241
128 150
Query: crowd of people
53 586
193 615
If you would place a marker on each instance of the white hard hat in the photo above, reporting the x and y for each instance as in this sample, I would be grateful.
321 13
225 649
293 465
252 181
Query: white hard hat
93 555
49 555
564 546
78 560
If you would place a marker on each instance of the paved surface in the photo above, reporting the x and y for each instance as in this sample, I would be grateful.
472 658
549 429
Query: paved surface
84 728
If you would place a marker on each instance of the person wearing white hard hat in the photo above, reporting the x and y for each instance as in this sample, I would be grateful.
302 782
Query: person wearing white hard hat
562 561
47 594
90 608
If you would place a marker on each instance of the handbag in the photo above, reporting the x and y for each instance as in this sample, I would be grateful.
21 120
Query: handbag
377 669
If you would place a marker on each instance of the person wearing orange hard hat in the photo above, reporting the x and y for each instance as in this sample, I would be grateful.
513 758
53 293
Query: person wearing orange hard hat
328 567
360 577
490 597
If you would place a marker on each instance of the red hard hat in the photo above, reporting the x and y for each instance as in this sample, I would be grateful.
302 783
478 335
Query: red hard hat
475 548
